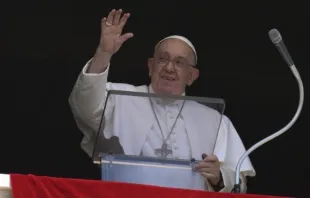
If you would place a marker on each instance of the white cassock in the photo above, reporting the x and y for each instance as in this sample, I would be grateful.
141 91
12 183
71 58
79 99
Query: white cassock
133 121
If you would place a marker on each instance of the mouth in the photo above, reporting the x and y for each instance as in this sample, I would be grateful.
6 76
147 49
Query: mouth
168 78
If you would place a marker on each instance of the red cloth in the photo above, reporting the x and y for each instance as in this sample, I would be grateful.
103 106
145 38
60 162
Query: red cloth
30 186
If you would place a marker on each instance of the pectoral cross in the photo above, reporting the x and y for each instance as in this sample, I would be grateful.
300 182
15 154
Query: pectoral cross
163 151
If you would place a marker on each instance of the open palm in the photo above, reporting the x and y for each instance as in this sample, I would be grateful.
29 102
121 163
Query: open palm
111 31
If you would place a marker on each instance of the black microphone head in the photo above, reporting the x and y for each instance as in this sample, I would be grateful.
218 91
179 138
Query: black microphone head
275 36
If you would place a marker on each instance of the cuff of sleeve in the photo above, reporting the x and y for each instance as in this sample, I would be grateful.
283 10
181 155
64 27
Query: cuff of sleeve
208 186
228 181
218 188
88 79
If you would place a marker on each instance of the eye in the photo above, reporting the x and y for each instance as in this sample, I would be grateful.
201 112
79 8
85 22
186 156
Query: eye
162 59
180 62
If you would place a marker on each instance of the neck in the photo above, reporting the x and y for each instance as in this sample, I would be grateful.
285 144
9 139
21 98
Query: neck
165 101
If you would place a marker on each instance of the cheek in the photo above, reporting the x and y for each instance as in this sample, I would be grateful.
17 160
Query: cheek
184 78
156 72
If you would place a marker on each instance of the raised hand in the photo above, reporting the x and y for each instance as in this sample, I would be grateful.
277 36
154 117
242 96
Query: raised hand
111 38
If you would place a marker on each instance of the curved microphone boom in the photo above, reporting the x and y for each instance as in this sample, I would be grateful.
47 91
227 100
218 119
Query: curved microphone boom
276 38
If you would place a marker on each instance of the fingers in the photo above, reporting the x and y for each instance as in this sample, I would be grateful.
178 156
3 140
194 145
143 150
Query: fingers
117 16
209 175
206 170
203 165
203 156
103 22
125 37
211 158
124 20
114 18
110 17
207 166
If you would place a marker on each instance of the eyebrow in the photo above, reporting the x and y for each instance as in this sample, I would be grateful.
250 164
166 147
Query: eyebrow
166 53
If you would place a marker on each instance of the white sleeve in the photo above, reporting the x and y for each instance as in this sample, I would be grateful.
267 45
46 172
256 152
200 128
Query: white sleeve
87 101
229 181
229 149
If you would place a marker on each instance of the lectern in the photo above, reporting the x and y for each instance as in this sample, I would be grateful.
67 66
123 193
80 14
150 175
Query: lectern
129 119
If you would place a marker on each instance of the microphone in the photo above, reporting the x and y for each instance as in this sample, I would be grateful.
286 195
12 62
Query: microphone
276 38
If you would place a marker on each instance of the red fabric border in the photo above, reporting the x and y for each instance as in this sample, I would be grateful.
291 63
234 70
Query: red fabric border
31 186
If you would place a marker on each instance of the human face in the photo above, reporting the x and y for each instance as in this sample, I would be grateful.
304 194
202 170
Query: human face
172 67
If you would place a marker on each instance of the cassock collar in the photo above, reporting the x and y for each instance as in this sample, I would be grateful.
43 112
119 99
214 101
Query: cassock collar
160 101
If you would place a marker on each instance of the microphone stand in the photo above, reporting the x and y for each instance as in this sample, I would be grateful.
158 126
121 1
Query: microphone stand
237 186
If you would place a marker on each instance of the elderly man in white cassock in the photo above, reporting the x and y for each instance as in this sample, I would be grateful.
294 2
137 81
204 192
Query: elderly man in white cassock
171 69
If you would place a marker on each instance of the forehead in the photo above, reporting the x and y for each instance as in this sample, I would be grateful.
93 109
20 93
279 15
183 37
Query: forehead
175 47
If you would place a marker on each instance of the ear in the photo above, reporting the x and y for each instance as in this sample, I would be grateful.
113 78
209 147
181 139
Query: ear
150 64
193 75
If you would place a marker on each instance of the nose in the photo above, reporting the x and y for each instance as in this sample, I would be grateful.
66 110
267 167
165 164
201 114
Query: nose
170 67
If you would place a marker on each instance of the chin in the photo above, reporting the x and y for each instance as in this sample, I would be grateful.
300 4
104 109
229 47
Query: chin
168 88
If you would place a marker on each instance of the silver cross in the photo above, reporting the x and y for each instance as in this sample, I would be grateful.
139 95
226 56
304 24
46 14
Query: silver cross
163 151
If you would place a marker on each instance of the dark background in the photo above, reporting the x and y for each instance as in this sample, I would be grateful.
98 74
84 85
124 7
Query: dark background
47 43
